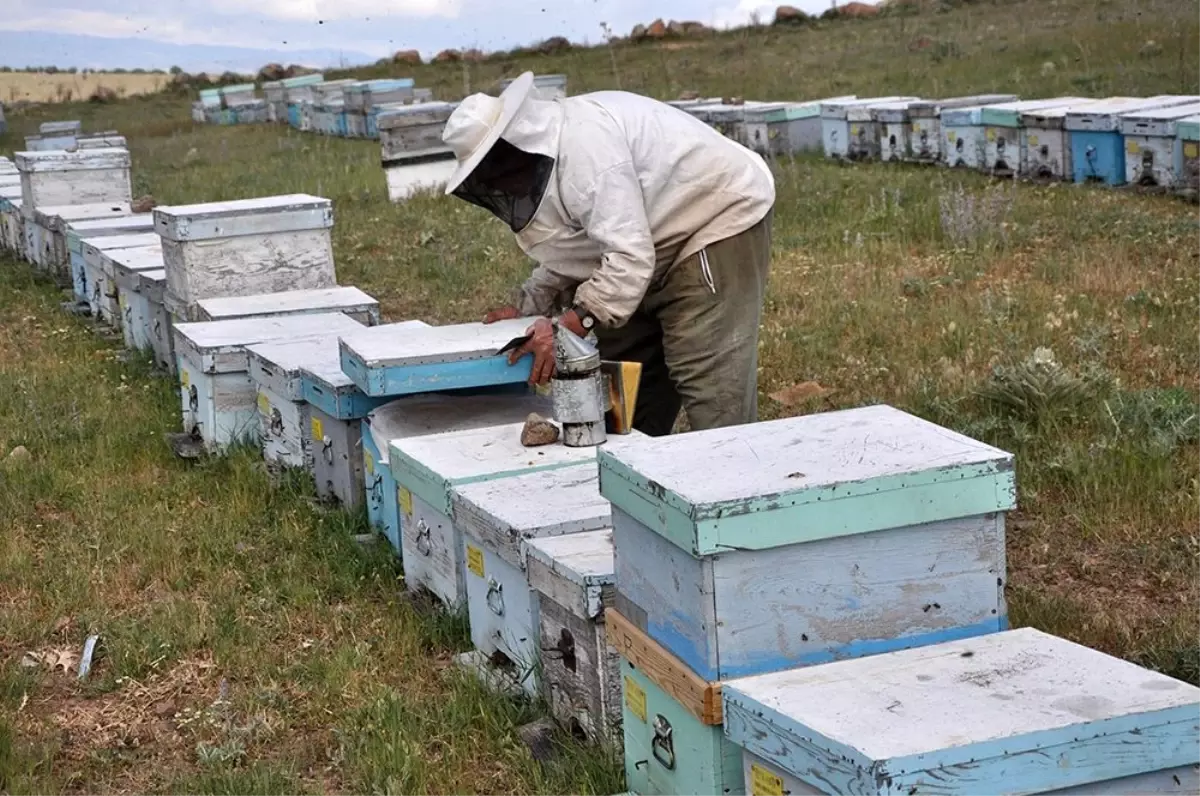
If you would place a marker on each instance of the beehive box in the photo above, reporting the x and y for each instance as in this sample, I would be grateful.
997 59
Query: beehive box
1045 142
276 96
835 124
91 176
137 314
56 257
572 581
101 293
246 247
57 135
361 96
780 129
241 94
123 265
418 416
210 98
865 130
150 287
1018 712
494 518
355 124
1001 124
729 119
894 130
345 299
428 469
545 87
254 112
1152 146
12 225
102 141
901 544
389 361
218 397
336 410
413 130
1097 147
408 177
925 116
79 231
1188 133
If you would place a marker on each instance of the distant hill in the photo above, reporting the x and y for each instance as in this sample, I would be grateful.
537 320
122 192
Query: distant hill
33 48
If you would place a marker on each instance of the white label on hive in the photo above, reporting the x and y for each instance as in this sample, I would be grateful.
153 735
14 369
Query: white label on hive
475 560
764 783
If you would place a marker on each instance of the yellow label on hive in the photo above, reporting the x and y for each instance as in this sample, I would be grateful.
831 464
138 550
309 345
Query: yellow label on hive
635 698
1033 140
475 560
318 430
763 782
404 500
264 405
368 463
1191 149
951 136
991 134
184 379
1131 146
853 130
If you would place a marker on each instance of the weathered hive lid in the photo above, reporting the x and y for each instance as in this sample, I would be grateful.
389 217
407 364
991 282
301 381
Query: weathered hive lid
932 107
837 109
80 160
1188 129
303 80
1008 114
329 373
1105 116
279 363
411 115
220 346
388 346
583 559
91 248
138 258
962 713
59 128
541 504
817 476
58 216
343 298
263 215
327 387
434 413
101 142
132 223
1157 121
241 88
150 279
431 466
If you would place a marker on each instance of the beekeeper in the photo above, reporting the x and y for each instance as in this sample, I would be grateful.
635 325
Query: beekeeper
647 226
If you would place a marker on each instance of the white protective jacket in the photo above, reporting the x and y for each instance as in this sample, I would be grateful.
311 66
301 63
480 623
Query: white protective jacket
638 186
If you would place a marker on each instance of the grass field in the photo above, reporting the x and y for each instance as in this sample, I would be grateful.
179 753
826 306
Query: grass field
64 87
249 646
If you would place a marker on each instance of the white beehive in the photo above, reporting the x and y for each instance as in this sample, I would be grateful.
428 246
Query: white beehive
98 228
245 247
779 129
1188 167
348 300
55 256
101 141
218 398
545 87
121 267
413 154
1018 712
573 582
1152 148
495 517
836 131
1045 142
85 177
1002 153
925 116
101 293
149 287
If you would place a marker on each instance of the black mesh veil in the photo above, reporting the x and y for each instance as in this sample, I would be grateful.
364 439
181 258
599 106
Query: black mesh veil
509 182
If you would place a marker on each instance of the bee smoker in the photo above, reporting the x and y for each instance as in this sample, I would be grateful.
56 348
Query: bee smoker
578 390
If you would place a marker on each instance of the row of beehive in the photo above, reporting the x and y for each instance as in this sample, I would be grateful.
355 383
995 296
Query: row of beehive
69 136
693 596
1153 142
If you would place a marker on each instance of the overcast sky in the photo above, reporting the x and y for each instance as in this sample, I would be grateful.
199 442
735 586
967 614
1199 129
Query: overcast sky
374 27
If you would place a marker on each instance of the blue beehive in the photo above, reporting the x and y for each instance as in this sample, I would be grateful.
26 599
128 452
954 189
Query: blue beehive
1097 147
1020 712
381 362
795 542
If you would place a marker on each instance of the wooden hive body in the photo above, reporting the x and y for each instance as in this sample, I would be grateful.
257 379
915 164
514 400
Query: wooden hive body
150 287
1045 142
119 267
97 284
781 129
246 247
1152 146
218 398
835 124
92 176
138 314
494 518
1188 133
1003 142
98 228
55 221
1097 146
418 416
810 539
573 583
348 300
1011 713
386 361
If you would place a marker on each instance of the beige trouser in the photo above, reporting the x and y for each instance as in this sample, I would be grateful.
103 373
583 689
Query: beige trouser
696 335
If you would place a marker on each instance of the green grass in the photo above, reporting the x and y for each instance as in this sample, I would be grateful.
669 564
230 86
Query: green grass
250 646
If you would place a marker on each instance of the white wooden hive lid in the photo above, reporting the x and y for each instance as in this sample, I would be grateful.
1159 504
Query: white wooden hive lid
80 160
957 703
433 413
329 372
585 558
264 215
217 337
839 108
137 258
1104 115
529 503
101 243
67 214
288 357
155 277
386 346
58 128
342 299
1163 114
133 222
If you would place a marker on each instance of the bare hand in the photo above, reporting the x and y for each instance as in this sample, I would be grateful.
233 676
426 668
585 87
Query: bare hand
501 314
541 345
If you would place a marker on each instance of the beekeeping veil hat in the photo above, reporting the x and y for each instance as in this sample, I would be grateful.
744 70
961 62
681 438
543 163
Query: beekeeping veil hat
501 169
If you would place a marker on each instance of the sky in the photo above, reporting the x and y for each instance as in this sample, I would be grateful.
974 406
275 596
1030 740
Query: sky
373 27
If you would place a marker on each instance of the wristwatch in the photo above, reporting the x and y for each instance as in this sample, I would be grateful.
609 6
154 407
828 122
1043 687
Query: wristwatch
586 319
